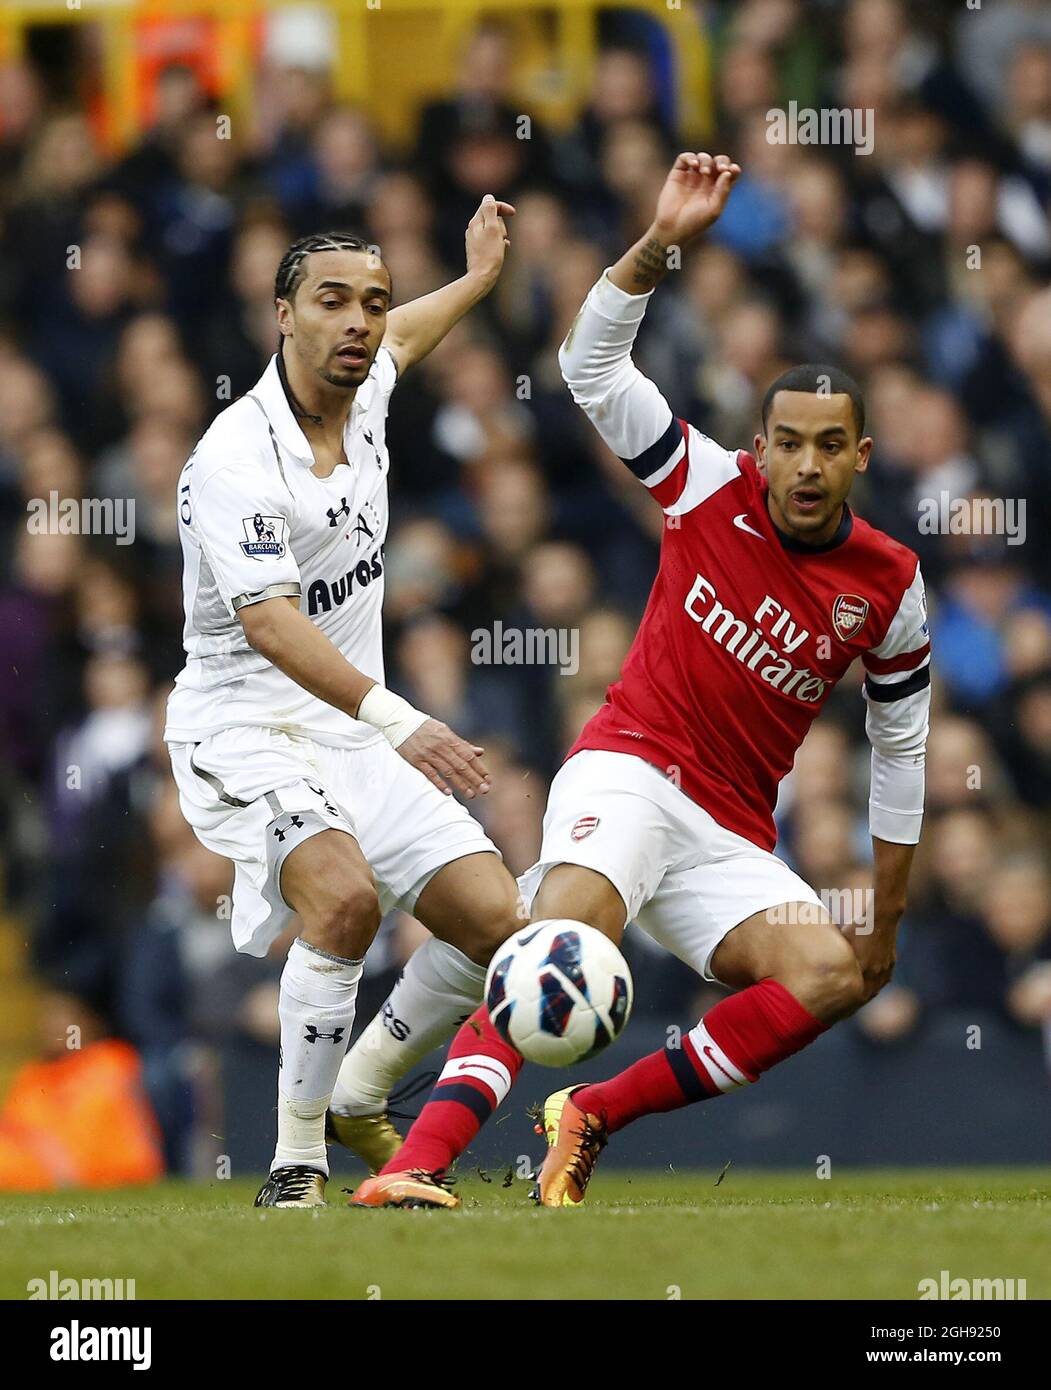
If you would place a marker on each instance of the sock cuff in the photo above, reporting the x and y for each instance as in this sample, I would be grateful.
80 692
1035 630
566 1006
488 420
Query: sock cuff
785 1014
454 968
325 955
480 1068
311 974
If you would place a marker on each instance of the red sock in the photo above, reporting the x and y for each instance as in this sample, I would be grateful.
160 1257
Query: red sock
735 1042
480 1070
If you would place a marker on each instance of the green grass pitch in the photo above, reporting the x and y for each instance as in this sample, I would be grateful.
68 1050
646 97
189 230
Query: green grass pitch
657 1235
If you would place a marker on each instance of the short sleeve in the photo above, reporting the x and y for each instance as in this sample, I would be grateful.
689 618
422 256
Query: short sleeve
385 370
242 518
900 665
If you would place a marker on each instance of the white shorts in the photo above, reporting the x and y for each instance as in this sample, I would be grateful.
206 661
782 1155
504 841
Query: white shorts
254 794
685 880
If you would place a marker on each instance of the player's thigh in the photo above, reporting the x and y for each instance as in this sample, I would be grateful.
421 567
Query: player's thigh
582 895
606 843
253 796
797 944
327 880
697 909
473 903
410 832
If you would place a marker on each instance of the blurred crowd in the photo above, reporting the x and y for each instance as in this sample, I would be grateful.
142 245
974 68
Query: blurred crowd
922 268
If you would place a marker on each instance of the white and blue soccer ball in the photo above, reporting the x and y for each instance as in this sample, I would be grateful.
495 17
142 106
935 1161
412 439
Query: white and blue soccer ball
558 991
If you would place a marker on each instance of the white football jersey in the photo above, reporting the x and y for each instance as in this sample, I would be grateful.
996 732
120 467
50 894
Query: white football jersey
256 523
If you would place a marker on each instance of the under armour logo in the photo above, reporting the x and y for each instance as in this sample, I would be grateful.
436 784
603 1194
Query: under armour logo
312 1034
293 821
328 804
335 513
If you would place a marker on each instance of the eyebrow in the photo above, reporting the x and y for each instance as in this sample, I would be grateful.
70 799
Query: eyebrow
821 434
370 292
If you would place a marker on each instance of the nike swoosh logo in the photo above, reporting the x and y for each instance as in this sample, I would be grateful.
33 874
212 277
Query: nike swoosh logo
708 1053
477 1066
742 525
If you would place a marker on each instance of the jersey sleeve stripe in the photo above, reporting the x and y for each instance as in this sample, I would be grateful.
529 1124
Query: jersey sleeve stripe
906 661
885 692
653 463
671 489
288 590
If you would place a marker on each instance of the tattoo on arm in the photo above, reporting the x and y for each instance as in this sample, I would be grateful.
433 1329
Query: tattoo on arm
651 263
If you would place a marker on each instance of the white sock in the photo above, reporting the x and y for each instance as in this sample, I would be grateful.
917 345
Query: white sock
436 992
316 1008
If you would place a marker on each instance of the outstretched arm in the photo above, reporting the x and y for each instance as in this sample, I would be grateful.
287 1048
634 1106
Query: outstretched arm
678 465
416 328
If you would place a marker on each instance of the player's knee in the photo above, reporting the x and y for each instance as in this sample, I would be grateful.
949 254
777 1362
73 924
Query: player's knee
825 976
346 918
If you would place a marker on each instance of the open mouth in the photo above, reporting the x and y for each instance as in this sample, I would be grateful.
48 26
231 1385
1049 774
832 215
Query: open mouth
807 499
353 356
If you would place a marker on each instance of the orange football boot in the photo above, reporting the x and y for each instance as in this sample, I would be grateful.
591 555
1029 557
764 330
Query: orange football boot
413 1188
575 1140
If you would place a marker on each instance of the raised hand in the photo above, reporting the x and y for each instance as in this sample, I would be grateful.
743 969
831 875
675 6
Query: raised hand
693 196
486 239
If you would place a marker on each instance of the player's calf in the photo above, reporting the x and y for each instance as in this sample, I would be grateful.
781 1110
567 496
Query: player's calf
800 948
474 904
823 973
327 881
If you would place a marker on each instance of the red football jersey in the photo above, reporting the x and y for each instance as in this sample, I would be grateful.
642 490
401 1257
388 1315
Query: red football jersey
746 632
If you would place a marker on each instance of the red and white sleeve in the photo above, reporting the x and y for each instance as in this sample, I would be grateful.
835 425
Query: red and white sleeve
679 465
898 694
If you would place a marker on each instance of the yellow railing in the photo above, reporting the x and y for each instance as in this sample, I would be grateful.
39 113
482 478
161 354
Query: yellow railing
391 54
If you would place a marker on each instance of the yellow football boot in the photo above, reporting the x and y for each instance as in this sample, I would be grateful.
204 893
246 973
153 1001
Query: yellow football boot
372 1137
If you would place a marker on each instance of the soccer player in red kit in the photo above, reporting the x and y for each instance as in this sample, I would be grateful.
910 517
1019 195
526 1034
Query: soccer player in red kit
768 588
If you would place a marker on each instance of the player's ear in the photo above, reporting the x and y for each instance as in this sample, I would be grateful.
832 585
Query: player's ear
759 446
864 450
284 317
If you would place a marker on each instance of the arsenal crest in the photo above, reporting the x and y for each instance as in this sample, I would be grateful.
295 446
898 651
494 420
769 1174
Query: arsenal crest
583 828
848 614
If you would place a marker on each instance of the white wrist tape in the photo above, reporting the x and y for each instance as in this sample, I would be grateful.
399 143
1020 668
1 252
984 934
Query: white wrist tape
394 717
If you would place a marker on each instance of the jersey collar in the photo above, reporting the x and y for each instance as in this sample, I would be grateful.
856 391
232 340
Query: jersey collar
843 530
270 391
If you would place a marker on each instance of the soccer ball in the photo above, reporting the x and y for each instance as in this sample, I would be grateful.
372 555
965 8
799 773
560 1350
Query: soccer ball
558 991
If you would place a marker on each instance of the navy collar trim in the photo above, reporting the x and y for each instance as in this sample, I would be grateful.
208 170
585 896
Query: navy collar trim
843 530
293 404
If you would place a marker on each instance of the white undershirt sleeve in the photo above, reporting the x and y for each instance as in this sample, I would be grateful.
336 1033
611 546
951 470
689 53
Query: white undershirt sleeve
898 695
679 465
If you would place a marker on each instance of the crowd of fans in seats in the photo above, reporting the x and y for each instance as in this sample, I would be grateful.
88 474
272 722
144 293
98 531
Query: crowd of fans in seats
505 505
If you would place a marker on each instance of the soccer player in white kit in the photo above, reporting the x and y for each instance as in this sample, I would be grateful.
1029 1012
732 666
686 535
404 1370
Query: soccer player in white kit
281 732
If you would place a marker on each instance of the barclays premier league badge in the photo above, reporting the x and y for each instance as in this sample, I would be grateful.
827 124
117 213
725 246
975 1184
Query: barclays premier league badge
264 537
